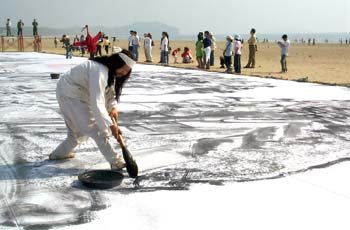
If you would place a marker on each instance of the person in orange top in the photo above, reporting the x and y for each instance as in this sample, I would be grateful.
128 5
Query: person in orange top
187 56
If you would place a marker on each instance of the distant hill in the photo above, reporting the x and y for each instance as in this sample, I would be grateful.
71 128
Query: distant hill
155 28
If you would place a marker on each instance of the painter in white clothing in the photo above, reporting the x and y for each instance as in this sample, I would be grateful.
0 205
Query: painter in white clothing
88 96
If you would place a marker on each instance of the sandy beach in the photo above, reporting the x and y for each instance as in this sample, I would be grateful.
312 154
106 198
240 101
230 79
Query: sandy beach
322 63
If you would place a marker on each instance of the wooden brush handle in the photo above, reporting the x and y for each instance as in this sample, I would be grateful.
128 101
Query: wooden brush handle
120 138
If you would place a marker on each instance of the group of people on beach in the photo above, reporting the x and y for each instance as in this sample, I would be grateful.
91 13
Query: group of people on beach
205 48
20 26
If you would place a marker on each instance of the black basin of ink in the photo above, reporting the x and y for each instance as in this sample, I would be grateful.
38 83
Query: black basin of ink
101 179
55 75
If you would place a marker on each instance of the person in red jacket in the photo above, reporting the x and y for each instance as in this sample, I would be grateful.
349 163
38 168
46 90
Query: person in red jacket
90 42
187 56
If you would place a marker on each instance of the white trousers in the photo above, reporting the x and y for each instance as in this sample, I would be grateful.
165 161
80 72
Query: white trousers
80 124
148 53
207 54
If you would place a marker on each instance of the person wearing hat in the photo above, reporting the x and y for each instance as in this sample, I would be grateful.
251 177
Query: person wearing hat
238 52
228 54
87 96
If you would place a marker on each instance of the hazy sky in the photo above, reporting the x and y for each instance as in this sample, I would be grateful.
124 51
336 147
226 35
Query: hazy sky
190 16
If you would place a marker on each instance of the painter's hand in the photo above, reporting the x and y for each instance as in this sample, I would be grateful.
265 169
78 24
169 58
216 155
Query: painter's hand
114 113
115 131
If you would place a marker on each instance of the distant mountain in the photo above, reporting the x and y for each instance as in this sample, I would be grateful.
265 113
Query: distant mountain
155 28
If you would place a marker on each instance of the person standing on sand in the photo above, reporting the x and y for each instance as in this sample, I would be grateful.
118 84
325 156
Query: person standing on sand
199 50
20 25
135 46
8 27
284 45
147 45
55 41
88 96
252 49
213 47
207 49
82 48
164 49
175 54
35 27
238 52
106 44
228 51
68 47
131 37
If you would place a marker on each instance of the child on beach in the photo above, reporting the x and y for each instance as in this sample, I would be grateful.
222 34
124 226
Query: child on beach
238 52
284 45
175 54
187 56
228 54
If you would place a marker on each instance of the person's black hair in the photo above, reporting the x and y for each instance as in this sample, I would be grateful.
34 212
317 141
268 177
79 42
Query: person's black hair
200 36
284 36
252 30
113 63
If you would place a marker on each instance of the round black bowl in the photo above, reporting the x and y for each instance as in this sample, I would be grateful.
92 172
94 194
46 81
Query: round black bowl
101 179
55 75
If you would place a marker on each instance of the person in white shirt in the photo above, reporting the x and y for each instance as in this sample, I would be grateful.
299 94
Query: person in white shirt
284 45
164 49
88 95
135 46
147 44
212 49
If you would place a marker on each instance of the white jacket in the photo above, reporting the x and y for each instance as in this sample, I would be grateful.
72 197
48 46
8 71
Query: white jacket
88 83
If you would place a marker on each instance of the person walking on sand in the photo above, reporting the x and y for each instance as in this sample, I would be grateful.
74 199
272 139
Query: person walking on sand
20 25
284 45
164 49
228 51
8 27
199 50
147 46
252 49
35 27
207 49
238 52
88 96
